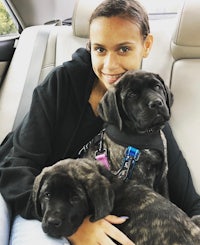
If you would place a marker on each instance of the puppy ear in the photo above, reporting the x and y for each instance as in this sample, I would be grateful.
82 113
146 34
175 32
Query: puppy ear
39 180
101 196
162 182
168 94
108 108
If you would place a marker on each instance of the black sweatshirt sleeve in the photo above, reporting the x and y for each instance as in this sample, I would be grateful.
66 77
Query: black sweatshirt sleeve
31 150
181 188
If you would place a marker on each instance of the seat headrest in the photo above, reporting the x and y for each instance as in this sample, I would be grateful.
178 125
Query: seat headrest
81 15
186 40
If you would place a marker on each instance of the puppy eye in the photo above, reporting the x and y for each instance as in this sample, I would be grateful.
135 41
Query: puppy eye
47 195
157 87
74 199
131 94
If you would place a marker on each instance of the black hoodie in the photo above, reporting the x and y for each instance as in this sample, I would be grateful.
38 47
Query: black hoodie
59 123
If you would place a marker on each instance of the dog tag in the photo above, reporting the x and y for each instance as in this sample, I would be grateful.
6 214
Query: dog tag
128 163
132 152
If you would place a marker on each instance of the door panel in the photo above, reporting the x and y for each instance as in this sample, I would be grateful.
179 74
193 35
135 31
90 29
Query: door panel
6 52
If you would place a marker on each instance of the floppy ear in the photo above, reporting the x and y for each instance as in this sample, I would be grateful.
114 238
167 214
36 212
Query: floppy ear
39 180
162 184
169 96
101 196
108 108
168 93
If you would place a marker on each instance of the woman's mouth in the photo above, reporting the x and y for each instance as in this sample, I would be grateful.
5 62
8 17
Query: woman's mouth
111 78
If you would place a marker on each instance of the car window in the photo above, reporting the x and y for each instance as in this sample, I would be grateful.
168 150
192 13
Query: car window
7 25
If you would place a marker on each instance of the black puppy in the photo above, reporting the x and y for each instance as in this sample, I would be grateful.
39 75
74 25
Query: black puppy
70 190
135 111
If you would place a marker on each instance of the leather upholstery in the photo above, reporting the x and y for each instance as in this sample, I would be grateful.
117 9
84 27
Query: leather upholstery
185 84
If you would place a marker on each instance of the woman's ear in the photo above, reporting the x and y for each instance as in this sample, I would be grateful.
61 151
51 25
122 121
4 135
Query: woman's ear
148 42
88 46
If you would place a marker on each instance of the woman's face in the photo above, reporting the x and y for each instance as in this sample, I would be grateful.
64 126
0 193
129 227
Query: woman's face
116 47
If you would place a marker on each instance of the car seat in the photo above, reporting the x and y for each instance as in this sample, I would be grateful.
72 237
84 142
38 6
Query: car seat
185 85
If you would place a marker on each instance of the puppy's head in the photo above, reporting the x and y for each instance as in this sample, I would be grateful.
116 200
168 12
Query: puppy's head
67 192
140 102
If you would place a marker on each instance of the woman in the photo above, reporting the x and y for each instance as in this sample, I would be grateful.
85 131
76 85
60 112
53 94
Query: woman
63 117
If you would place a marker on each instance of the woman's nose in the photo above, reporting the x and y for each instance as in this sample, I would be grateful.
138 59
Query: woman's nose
111 61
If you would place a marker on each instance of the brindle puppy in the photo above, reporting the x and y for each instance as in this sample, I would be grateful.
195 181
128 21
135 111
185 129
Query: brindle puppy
70 190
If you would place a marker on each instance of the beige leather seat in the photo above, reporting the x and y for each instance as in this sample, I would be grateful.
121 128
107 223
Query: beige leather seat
185 84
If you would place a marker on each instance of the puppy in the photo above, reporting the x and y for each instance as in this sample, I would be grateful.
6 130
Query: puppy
135 111
70 190
63 195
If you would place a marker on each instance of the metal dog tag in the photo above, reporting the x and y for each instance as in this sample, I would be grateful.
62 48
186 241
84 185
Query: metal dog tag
128 163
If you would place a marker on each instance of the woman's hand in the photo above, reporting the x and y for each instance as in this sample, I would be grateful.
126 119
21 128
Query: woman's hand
99 232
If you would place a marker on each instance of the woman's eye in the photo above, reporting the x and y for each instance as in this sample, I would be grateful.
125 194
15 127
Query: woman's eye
124 49
99 49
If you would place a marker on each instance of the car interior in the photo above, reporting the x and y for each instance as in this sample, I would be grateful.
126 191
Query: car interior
175 56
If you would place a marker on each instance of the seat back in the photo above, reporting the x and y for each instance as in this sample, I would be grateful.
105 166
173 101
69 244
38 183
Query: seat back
61 44
185 85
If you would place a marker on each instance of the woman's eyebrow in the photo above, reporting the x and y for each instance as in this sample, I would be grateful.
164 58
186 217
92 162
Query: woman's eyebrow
97 44
126 43
117 45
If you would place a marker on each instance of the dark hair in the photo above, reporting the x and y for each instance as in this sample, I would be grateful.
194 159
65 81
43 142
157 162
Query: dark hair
129 9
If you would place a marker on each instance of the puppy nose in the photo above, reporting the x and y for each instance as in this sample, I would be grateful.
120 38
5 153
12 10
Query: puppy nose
155 104
53 221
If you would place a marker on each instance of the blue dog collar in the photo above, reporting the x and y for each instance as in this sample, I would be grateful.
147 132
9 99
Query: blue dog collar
129 161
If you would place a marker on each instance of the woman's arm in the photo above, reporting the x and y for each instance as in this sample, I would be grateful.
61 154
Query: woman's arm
100 232
181 188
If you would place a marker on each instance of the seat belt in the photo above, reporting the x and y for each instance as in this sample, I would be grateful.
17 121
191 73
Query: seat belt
33 75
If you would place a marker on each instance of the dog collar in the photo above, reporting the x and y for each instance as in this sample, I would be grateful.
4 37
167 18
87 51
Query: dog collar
129 161
140 141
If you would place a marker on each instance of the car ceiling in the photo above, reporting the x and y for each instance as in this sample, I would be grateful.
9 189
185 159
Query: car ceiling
37 12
